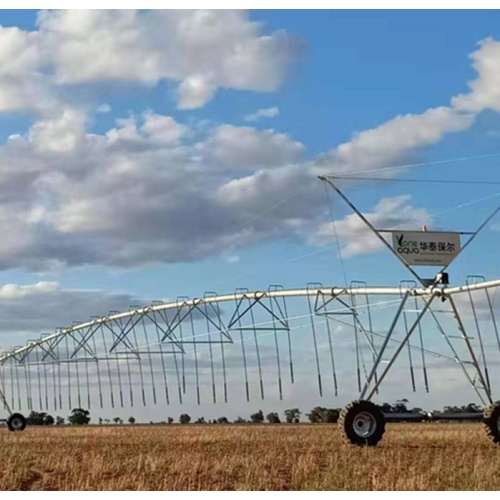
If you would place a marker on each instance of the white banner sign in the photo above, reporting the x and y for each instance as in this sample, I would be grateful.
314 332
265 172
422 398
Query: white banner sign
421 248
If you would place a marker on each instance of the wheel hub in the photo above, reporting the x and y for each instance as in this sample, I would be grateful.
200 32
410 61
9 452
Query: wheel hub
17 423
364 424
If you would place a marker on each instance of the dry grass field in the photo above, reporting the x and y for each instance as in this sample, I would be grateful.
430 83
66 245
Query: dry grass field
434 456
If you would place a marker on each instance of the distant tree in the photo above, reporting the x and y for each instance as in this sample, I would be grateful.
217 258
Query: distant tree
170 420
325 415
331 416
200 420
131 420
273 418
100 420
292 415
316 415
257 418
59 421
117 420
222 420
36 418
79 416
48 420
184 418
107 420
240 420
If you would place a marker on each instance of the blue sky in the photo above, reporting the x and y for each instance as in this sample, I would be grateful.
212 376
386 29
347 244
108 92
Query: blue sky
329 76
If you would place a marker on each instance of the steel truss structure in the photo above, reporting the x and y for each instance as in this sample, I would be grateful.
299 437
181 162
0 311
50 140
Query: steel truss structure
202 348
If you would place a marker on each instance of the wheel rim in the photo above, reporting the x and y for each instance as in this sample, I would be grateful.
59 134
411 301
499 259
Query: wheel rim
16 423
364 424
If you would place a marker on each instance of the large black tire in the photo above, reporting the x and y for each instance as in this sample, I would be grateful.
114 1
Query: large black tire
16 422
491 422
362 423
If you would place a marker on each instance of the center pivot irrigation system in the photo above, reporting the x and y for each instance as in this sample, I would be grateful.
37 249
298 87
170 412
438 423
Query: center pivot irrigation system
252 343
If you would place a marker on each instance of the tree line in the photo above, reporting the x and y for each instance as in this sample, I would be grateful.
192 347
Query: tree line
318 414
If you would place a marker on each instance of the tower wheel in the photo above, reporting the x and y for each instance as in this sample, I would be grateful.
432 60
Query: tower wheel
361 423
491 422
16 422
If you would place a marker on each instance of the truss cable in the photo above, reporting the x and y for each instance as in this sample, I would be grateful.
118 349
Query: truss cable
129 374
12 395
221 327
239 227
195 352
422 350
167 398
357 323
46 384
337 242
356 341
313 330
276 343
141 375
18 386
59 375
426 181
27 386
153 387
242 340
330 348
492 313
108 366
395 226
54 382
369 340
427 163
405 322
480 338
99 384
77 370
211 354
176 363
69 372
3 387
257 350
39 379
183 359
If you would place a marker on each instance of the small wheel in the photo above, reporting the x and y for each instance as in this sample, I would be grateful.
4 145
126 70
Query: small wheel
491 422
16 422
362 423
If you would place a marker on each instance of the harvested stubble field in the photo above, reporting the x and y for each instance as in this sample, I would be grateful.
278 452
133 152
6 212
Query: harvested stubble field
426 456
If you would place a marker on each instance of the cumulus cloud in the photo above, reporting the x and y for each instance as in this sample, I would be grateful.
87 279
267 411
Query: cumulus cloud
262 113
246 146
389 213
200 51
154 189
28 310
394 141
485 89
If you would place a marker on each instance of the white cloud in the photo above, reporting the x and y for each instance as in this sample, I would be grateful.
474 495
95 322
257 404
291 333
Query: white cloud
262 113
27 310
485 89
393 142
246 146
201 50
356 238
